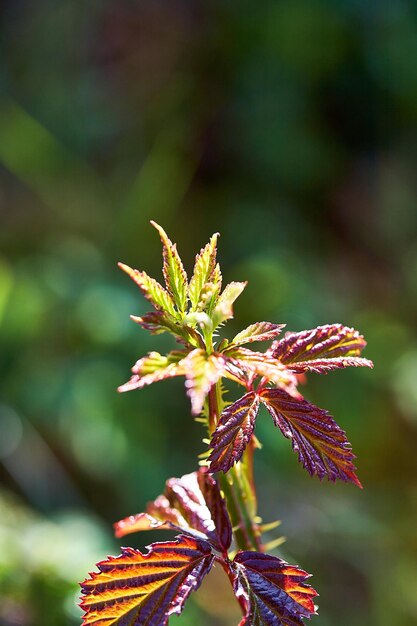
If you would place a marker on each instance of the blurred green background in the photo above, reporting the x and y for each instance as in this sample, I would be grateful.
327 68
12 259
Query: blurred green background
290 127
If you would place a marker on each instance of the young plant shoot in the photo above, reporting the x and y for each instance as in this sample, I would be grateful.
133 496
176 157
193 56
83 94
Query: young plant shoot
214 509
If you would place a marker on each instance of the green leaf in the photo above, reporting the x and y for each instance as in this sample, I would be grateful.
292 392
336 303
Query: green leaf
271 592
202 371
216 276
204 267
153 368
151 289
260 331
138 589
174 273
224 307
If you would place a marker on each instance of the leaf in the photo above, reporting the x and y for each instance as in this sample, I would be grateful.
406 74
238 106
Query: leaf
174 273
155 362
156 322
218 510
260 331
234 372
205 264
138 589
224 307
153 368
320 444
329 341
233 432
216 276
151 289
191 504
271 592
257 364
208 298
202 371
322 366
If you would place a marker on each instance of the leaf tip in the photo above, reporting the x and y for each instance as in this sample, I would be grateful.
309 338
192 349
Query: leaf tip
160 230
125 268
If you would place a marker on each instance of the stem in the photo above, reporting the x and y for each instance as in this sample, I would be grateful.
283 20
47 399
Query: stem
238 486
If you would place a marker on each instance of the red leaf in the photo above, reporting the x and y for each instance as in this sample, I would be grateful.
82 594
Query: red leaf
192 504
271 592
322 366
329 341
321 445
218 511
233 432
138 589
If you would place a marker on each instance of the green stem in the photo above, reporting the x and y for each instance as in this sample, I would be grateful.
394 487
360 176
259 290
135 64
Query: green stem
238 486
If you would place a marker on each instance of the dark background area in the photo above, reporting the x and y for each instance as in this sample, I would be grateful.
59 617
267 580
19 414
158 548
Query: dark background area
288 126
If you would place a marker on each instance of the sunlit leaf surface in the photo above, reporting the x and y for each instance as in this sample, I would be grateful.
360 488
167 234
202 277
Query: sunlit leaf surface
329 341
202 371
151 289
193 504
260 331
204 270
153 368
173 269
136 589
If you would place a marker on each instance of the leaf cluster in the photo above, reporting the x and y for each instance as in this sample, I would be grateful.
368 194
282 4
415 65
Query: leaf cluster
146 589
137 588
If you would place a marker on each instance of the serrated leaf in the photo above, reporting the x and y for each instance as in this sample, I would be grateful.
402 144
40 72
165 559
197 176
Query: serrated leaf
191 504
208 298
202 371
322 366
216 276
156 362
258 364
151 289
153 368
173 269
271 592
233 432
224 307
260 331
329 341
157 322
321 445
205 264
136 589
234 372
